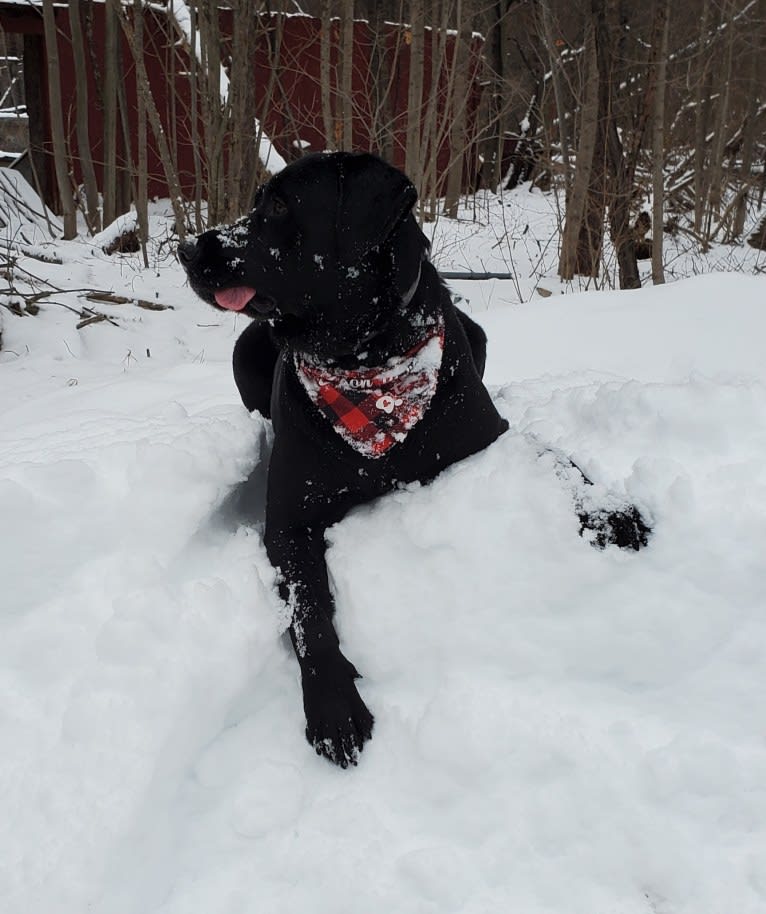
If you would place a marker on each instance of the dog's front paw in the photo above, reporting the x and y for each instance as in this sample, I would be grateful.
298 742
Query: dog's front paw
338 723
623 527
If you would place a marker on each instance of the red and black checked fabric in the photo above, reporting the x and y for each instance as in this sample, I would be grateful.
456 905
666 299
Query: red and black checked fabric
373 409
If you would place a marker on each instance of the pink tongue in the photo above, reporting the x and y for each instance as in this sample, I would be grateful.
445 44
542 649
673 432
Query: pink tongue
234 299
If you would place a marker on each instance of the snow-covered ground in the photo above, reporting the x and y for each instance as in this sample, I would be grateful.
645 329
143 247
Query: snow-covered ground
558 730
518 234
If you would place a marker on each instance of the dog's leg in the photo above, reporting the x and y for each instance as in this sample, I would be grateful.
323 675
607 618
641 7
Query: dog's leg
338 722
255 355
477 340
611 520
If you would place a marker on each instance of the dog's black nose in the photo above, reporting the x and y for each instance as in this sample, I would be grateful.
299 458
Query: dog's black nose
187 252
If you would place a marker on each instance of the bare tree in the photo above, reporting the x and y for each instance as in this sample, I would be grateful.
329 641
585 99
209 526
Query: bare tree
413 153
260 169
435 128
458 98
194 119
580 251
383 62
214 112
715 195
142 193
748 136
60 157
546 19
109 95
145 91
325 76
661 30
347 72
620 170
241 103
92 214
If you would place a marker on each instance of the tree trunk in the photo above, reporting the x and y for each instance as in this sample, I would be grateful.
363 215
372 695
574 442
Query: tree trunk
578 254
508 37
34 67
701 117
142 195
111 44
662 23
558 90
413 161
748 143
92 214
145 91
619 177
457 136
241 100
433 131
57 122
213 108
325 79
715 195
494 97
194 119
260 170
381 70
347 73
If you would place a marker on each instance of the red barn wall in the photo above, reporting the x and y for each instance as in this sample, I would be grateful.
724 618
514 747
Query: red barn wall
294 113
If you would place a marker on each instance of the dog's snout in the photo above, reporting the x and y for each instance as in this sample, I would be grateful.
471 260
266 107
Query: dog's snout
187 252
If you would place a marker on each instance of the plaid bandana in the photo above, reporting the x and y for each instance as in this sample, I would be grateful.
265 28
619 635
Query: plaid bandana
372 409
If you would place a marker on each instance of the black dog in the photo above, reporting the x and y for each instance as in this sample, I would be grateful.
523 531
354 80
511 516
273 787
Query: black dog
371 376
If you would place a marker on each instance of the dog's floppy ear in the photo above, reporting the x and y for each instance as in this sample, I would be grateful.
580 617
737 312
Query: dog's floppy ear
374 198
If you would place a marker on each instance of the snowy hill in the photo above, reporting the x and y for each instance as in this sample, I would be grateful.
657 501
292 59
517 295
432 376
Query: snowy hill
558 730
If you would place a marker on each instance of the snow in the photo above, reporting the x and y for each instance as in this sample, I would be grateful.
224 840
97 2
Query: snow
558 730
124 223
24 219
515 234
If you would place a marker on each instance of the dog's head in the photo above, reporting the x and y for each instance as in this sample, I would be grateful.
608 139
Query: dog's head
329 253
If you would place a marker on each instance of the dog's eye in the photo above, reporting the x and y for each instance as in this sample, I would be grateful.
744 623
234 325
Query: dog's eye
278 207
258 196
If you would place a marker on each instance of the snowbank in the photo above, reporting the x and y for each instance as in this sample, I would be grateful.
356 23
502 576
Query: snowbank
559 730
